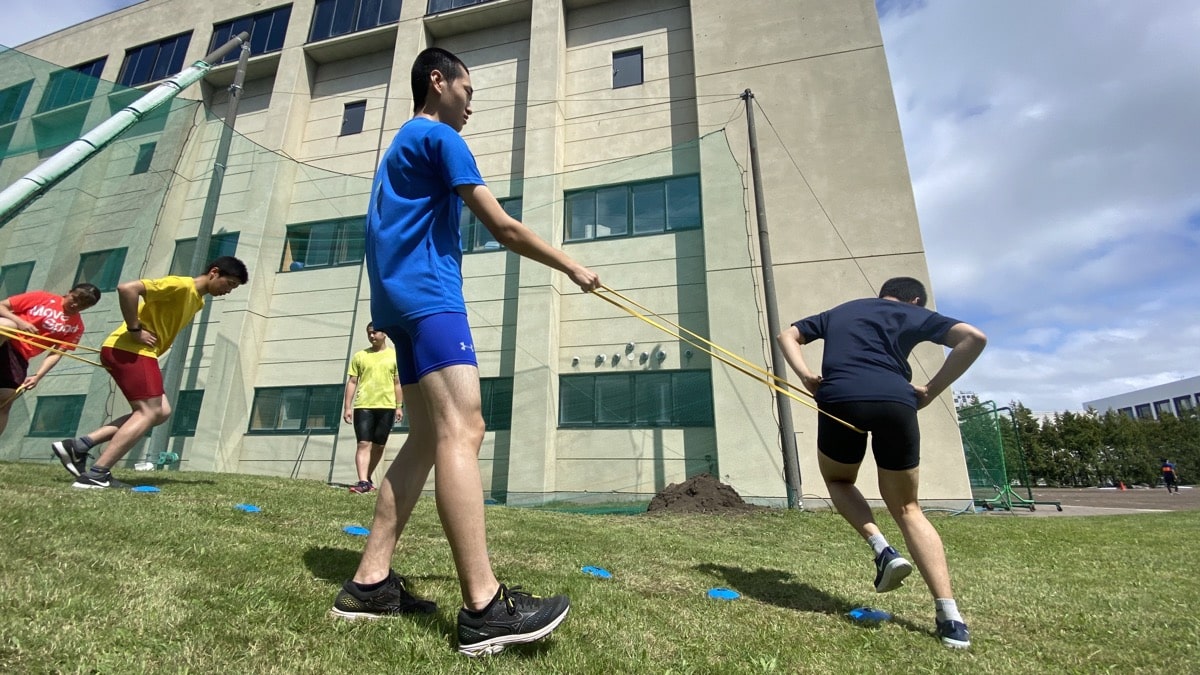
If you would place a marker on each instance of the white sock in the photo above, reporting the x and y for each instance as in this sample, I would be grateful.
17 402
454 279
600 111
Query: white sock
877 542
947 610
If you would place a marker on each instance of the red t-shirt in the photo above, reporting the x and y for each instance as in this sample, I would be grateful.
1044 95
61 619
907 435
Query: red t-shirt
44 310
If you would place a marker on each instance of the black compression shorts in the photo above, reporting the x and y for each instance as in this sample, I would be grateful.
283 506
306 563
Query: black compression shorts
895 435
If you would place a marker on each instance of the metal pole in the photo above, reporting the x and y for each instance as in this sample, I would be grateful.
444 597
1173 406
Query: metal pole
787 432
173 373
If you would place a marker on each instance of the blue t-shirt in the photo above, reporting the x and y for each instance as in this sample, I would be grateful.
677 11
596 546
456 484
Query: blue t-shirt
867 343
414 256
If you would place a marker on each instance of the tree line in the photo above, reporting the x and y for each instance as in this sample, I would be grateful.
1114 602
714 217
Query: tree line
1081 449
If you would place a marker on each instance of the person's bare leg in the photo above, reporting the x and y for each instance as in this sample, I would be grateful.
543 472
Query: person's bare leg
846 497
108 430
146 415
899 491
6 405
362 460
376 456
452 396
399 490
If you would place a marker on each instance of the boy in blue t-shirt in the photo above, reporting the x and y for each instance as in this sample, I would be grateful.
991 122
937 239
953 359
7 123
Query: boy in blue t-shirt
866 381
414 264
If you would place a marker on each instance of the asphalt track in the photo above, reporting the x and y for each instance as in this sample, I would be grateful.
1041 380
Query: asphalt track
1105 501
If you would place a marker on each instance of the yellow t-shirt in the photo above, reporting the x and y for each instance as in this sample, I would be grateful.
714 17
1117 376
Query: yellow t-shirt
376 373
169 305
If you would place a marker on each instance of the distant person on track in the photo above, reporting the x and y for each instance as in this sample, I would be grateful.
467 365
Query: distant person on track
1170 476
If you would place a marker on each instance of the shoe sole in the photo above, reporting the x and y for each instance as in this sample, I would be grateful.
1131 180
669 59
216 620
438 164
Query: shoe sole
84 486
497 644
354 616
955 644
65 457
894 575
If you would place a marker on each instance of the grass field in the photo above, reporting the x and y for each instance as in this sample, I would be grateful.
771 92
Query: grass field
117 582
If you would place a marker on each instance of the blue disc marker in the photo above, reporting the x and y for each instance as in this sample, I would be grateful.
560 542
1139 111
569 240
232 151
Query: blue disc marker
144 488
598 572
248 508
356 530
723 594
868 615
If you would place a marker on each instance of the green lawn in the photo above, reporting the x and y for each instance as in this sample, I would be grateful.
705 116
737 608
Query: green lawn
182 581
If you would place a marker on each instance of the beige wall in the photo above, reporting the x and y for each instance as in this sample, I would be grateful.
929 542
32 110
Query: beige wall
546 120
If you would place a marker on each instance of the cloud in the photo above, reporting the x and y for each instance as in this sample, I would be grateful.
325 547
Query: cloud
1055 165
25 21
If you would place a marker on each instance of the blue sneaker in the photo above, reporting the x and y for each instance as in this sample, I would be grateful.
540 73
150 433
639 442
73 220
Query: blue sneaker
954 634
890 570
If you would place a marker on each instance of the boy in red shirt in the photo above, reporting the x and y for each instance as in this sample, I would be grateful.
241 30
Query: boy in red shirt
49 315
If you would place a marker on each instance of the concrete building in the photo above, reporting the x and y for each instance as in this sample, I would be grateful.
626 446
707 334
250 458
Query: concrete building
614 128
1175 398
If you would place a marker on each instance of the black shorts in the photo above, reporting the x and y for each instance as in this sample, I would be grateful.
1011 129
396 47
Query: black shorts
895 434
13 367
373 424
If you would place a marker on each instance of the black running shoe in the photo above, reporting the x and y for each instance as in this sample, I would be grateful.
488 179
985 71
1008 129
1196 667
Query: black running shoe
86 481
890 570
954 634
73 458
513 617
390 599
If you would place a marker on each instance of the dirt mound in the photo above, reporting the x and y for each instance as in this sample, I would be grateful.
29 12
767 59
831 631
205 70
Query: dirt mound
699 494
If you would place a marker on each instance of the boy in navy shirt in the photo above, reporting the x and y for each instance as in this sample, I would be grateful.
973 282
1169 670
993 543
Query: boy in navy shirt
414 264
866 380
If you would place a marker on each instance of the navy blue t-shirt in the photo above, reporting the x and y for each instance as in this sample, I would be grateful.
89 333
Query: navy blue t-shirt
867 343
413 251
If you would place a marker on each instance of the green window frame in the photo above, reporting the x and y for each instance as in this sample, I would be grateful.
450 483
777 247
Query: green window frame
475 236
14 279
324 244
219 245
102 268
296 410
639 400
12 101
57 416
186 412
71 85
633 209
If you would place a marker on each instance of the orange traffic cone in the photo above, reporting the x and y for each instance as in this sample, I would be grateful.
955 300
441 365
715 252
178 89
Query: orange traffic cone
1121 485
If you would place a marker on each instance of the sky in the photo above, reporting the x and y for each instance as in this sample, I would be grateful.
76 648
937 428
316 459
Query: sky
1055 160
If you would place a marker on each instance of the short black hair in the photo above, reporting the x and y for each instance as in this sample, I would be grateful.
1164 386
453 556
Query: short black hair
229 266
429 60
904 289
90 289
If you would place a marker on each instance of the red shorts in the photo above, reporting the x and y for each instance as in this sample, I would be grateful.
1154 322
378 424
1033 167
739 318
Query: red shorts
137 376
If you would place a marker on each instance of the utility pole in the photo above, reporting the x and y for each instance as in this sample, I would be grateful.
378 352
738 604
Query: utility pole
787 431
173 375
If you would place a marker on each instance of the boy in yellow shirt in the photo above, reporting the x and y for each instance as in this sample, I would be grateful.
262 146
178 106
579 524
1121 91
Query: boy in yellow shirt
155 311
372 404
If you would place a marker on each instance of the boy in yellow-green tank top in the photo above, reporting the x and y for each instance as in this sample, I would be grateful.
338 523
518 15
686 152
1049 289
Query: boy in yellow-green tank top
373 403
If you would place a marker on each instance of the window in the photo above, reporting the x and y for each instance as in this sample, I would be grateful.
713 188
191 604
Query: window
12 101
1163 408
102 268
144 157
219 245
436 6
186 412
1183 404
324 244
338 17
267 30
292 410
352 118
648 207
57 416
475 236
678 398
1128 412
627 68
71 85
1143 412
154 61
14 279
